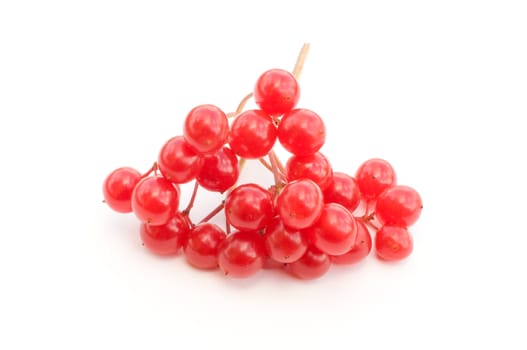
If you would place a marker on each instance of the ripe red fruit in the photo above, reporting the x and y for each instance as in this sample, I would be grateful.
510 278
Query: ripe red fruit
300 204
118 187
335 231
315 167
276 92
302 223
361 248
399 205
393 243
301 132
165 239
202 245
253 134
206 128
219 171
313 264
178 162
374 176
155 200
242 254
249 207
343 190
282 244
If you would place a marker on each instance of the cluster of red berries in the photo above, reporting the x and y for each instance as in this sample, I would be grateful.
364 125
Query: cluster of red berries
307 220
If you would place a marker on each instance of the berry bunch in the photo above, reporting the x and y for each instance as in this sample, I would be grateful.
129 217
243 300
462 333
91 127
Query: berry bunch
310 218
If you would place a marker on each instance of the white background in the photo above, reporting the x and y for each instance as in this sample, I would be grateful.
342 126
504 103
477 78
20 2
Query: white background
438 88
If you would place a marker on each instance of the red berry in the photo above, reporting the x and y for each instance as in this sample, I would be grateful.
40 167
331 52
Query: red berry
242 254
300 204
282 244
374 176
393 243
343 190
313 264
252 135
165 239
276 92
155 200
335 231
219 171
301 132
202 245
206 128
302 223
399 205
249 207
360 249
178 162
118 187
315 167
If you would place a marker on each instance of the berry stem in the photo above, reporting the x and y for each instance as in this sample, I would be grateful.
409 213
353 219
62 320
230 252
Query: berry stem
150 171
241 164
274 169
227 226
368 218
242 104
372 225
265 164
299 65
278 162
367 208
192 199
213 213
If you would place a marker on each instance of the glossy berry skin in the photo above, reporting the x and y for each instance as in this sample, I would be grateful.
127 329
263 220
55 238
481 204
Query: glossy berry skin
282 244
361 248
343 189
219 171
178 162
206 129
202 246
374 176
166 239
155 200
276 92
301 132
335 231
300 204
242 254
118 187
393 243
253 134
313 264
249 207
315 167
399 205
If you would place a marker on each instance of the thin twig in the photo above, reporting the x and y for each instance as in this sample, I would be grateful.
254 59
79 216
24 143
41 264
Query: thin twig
274 170
213 213
278 162
192 199
242 104
372 225
265 164
227 226
299 65
152 169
